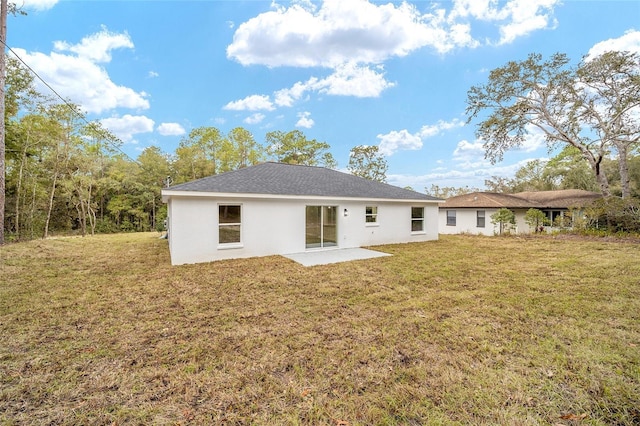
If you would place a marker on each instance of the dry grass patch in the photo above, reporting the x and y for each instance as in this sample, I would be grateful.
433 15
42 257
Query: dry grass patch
465 330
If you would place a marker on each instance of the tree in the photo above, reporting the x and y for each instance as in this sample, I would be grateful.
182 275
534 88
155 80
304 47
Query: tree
536 219
128 197
5 8
615 214
532 177
294 148
197 155
153 171
367 162
611 94
448 191
239 150
499 184
63 137
564 104
24 137
503 217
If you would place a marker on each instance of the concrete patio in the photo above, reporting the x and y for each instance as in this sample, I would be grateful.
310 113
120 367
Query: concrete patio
323 257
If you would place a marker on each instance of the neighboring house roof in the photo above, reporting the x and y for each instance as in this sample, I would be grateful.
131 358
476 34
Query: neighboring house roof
296 180
561 198
490 200
523 200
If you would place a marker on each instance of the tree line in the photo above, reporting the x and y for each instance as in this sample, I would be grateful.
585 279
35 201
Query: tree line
66 174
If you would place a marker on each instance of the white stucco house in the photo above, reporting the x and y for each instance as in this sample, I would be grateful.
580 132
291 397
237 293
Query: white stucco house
275 208
471 213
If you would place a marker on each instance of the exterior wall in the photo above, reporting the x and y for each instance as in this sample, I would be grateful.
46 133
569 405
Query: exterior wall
466 222
521 226
272 227
393 225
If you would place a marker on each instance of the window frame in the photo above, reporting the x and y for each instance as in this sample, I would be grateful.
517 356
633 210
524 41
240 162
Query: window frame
373 215
451 218
222 225
483 217
416 219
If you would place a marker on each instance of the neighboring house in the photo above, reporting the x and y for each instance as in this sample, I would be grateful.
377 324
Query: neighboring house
471 213
275 208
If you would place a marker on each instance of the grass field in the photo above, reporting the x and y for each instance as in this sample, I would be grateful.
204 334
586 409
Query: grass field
464 330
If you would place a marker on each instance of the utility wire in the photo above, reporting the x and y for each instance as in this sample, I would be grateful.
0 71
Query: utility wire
108 138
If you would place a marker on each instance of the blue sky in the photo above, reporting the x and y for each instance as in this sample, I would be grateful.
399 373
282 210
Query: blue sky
346 72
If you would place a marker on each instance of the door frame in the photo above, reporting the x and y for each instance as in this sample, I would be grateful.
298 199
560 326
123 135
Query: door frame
326 212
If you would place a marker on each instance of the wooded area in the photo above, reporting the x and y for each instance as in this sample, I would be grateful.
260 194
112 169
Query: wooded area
65 174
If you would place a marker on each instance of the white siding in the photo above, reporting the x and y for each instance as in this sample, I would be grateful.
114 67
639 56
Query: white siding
466 222
277 226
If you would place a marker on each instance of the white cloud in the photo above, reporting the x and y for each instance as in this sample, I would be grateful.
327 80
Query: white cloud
287 97
396 140
171 129
254 118
365 32
474 151
353 80
251 103
354 37
79 78
629 42
96 47
435 129
534 139
127 126
404 140
515 18
305 120
37 4
472 174
347 80
153 74
527 16
338 32
468 151
460 35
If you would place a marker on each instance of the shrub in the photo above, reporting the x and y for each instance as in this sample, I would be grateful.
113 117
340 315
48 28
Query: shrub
614 214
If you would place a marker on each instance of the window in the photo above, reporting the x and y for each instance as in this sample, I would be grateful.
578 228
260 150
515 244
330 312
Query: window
371 214
321 226
480 219
417 219
229 224
451 218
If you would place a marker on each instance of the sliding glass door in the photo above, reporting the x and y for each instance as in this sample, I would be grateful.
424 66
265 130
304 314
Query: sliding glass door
321 226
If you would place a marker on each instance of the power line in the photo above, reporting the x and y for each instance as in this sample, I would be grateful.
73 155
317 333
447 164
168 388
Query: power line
108 138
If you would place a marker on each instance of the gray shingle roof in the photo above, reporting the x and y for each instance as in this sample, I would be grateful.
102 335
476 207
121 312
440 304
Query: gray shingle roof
288 179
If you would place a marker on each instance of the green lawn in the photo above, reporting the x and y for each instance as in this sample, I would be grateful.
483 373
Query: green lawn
464 330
